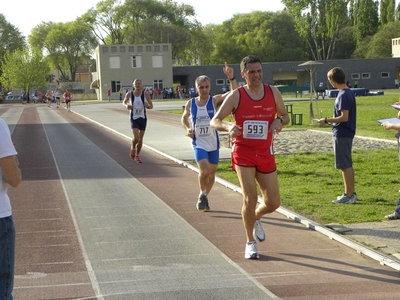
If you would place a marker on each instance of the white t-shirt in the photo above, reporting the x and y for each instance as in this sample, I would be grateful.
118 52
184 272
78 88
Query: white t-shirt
6 149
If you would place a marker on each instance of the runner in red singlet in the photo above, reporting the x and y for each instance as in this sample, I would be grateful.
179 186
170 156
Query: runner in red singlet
259 113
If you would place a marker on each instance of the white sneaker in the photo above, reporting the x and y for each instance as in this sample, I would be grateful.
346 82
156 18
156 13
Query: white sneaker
258 231
251 251
345 199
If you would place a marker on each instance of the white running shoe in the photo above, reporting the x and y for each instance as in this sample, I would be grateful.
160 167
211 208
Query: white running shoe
251 251
258 231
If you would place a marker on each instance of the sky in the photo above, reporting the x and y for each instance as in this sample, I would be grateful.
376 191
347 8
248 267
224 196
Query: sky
25 15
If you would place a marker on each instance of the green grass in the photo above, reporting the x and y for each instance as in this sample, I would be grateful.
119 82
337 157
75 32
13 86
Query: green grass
309 182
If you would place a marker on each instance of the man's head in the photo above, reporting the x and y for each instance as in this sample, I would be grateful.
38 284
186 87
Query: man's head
250 59
137 84
203 85
336 75
251 70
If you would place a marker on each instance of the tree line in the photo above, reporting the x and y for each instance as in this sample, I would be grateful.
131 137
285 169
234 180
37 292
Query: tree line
304 30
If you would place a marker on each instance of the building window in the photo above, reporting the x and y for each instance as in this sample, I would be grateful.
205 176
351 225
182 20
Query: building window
366 75
115 62
355 75
158 84
115 86
139 48
105 49
113 49
148 48
136 61
385 75
131 49
122 49
220 82
157 48
165 48
157 61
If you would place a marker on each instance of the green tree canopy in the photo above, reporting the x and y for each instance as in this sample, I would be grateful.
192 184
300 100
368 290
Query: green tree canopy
10 38
24 70
269 35
67 45
319 23
381 43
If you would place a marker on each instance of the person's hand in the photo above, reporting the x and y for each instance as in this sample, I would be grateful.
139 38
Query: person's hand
321 122
387 125
235 131
229 72
398 115
190 133
276 126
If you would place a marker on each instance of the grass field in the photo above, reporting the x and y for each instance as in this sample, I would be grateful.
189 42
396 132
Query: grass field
309 182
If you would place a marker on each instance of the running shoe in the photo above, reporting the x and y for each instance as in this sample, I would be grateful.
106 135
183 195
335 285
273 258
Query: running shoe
344 199
202 203
258 231
251 251
138 160
393 216
133 153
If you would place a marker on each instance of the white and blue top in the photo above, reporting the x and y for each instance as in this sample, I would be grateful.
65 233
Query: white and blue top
205 137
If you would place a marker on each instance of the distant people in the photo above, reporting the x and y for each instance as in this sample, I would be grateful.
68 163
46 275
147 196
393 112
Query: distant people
196 118
137 101
120 95
259 113
57 97
394 126
10 174
396 83
109 95
48 98
356 84
343 131
23 96
67 97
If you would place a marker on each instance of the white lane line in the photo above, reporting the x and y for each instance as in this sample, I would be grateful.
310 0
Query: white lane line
91 273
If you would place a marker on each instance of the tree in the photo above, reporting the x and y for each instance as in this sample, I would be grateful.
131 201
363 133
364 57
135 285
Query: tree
269 35
387 11
10 38
24 70
319 23
381 43
366 18
67 45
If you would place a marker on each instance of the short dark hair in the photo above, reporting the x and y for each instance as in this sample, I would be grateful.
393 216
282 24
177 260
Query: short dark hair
249 60
337 75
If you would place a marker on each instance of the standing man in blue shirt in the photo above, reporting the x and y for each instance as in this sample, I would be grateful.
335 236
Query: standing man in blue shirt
343 132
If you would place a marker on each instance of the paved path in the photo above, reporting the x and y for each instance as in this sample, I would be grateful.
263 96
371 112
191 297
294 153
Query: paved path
93 224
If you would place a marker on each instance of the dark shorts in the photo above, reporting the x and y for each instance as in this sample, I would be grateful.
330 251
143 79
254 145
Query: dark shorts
139 123
342 148
264 163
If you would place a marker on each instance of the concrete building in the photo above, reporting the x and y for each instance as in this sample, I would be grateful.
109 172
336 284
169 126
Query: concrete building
396 47
118 65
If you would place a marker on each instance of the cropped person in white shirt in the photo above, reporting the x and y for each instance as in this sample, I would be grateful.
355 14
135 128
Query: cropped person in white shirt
10 174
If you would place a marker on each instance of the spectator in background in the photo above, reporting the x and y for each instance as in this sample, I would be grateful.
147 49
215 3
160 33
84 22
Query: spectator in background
109 95
343 131
396 83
